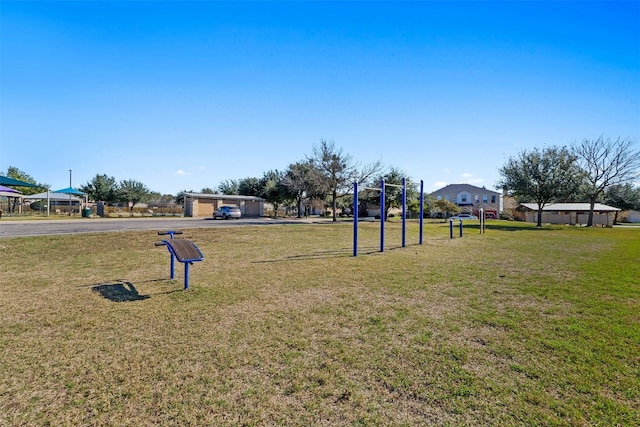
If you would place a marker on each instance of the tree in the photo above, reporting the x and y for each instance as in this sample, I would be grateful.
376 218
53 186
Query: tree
605 163
15 173
228 186
622 196
393 194
339 170
273 189
132 191
303 181
250 187
181 196
207 190
445 207
101 188
541 176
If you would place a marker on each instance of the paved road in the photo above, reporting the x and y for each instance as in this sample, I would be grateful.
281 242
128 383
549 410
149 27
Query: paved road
102 225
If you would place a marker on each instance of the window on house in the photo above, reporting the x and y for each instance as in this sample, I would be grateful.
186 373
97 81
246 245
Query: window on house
439 197
463 198
493 199
485 198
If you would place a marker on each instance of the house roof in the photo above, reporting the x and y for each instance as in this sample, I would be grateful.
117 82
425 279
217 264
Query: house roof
457 188
223 197
579 207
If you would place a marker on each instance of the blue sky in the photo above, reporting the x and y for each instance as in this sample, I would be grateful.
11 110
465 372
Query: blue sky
184 95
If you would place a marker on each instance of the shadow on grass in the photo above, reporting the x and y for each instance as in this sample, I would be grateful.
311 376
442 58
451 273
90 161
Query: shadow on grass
124 291
337 253
508 227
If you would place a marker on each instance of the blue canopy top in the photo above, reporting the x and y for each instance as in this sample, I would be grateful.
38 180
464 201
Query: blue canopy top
70 190
5 180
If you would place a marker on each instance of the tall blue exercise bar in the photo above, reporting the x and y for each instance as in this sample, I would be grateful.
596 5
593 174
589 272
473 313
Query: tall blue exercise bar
383 212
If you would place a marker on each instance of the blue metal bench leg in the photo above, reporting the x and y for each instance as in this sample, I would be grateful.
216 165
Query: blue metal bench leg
186 275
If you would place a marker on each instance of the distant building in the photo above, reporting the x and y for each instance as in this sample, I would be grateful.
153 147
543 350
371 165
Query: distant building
203 205
471 199
570 213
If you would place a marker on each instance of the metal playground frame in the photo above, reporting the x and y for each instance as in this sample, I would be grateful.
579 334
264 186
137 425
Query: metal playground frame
383 185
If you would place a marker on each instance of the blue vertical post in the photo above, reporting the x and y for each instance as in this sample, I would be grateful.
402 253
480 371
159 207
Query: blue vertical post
186 275
460 228
451 229
355 219
404 212
173 258
421 208
382 215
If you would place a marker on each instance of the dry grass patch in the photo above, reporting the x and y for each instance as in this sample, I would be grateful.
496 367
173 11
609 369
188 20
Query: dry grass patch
282 326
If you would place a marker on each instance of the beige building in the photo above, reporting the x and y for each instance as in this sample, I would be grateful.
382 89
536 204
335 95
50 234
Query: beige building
203 205
570 213
471 199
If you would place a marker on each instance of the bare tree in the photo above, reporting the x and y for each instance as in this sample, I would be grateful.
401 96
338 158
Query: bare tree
339 170
606 162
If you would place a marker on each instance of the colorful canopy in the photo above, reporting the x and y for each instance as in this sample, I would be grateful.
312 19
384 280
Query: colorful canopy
70 190
5 180
4 189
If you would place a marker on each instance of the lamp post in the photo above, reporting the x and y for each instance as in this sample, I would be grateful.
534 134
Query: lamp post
70 193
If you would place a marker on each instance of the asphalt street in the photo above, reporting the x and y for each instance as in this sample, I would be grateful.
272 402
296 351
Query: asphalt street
103 225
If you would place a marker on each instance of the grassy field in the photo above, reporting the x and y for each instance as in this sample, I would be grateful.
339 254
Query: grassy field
282 326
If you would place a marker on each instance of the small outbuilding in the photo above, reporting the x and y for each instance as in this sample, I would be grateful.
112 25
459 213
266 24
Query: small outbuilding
203 205
570 213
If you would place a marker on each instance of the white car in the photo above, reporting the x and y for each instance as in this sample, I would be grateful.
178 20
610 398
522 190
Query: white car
463 216
226 212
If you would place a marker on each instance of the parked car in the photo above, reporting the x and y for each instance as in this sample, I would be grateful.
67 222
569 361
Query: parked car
463 216
226 212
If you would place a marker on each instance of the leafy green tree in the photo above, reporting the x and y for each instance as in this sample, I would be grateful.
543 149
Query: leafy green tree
250 187
101 188
132 191
339 170
541 176
207 190
274 191
15 173
229 186
393 194
303 181
606 163
622 196
180 196
445 207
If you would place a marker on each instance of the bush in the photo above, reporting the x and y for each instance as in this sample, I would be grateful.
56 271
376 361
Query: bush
37 205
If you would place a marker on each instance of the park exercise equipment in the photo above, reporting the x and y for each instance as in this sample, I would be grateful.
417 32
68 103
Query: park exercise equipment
383 185
482 217
451 228
185 251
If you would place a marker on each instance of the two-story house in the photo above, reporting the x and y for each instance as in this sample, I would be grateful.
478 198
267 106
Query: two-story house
471 199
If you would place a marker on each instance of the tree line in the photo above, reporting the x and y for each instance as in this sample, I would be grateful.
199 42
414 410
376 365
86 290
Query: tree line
595 170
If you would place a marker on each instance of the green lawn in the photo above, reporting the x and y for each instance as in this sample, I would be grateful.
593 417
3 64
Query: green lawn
282 326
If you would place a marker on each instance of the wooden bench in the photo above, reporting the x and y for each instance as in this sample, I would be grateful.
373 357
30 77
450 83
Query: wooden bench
185 251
